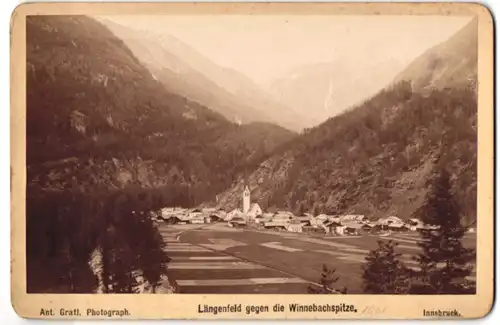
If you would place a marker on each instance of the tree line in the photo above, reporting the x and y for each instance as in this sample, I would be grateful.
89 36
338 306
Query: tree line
66 230
443 262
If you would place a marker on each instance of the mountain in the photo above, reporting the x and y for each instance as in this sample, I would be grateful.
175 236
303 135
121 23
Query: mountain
449 64
183 70
376 158
326 89
97 118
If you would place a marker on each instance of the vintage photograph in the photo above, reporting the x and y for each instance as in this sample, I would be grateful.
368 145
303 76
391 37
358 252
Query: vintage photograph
252 154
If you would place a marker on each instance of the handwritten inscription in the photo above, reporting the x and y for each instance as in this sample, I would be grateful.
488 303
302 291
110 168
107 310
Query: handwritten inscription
373 310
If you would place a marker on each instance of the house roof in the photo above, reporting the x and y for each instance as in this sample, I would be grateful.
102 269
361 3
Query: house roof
254 207
171 216
354 225
350 217
381 221
332 223
396 225
282 217
283 212
393 219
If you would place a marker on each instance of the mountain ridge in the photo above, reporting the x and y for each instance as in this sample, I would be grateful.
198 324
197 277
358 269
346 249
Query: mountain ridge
97 118
223 89
375 158
449 64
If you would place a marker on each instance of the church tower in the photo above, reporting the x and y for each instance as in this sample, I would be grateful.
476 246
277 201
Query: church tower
246 199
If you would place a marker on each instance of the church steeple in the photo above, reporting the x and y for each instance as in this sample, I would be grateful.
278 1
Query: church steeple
246 198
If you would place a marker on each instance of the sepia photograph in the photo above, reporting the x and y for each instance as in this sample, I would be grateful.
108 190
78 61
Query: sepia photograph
273 153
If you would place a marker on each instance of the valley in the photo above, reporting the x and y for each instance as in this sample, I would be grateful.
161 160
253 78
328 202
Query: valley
122 123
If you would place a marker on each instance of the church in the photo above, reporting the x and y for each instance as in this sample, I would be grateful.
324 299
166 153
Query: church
250 210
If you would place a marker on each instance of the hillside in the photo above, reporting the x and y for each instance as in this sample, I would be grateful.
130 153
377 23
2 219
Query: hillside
97 118
450 64
106 144
181 69
376 158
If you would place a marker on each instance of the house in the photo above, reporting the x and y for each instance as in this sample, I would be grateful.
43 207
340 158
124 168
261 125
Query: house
414 224
427 228
234 213
397 226
197 219
194 213
237 221
351 218
265 217
172 220
381 224
352 228
333 226
361 219
319 220
172 211
282 215
214 217
393 219
322 216
259 219
279 220
338 230
304 220
294 227
165 212
367 227
221 213
254 211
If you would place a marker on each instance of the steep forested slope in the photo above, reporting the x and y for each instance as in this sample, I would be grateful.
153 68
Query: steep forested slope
375 159
106 144
97 117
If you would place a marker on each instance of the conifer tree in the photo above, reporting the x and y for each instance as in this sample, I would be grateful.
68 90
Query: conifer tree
444 262
327 281
384 272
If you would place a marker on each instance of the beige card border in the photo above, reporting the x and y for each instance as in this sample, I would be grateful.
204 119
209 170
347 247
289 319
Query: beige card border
186 306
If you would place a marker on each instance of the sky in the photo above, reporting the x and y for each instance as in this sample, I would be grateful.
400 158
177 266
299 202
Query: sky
268 47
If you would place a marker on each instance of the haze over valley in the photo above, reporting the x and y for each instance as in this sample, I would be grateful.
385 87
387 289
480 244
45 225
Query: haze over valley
303 72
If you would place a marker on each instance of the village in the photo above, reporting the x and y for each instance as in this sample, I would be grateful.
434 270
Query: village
250 250
252 216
